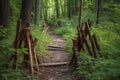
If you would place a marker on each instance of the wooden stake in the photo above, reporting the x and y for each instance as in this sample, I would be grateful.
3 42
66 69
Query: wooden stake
97 45
80 40
89 23
35 55
17 41
74 59
91 39
30 51
86 43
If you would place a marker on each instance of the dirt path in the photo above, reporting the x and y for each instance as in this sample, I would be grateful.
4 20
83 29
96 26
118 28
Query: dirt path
55 65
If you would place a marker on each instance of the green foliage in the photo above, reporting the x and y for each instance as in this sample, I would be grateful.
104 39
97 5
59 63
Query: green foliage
109 40
88 4
68 37
15 8
98 69
6 51
10 74
108 33
43 39
68 31
66 25
106 68
63 30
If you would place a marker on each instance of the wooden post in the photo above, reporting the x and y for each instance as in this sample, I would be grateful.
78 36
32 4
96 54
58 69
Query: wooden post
74 60
86 30
91 39
23 36
86 43
17 41
89 23
97 45
30 50
80 44
35 55
80 40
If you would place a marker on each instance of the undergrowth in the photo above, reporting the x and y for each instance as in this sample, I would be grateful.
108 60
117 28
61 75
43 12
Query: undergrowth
42 39
7 38
107 68
67 31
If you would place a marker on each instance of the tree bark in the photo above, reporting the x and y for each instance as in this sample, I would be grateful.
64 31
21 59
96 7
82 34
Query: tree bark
46 15
37 11
99 10
69 9
26 10
4 12
80 14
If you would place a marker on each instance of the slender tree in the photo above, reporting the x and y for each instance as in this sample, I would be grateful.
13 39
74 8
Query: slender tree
99 10
46 14
45 9
4 12
57 8
69 8
80 14
37 11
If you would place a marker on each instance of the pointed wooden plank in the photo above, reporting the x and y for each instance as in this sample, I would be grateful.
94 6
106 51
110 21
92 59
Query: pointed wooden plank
30 51
35 54
91 39
96 44
86 43
89 23
79 39
36 61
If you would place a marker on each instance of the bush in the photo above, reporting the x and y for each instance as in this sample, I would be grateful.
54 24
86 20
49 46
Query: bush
106 68
98 69
7 37
68 31
43 40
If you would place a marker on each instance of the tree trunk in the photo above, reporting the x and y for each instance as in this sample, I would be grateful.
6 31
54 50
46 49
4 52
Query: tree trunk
4 12
80 14
57 8
76 7
45 10
37 11
69 9
26 11
46 15
99 10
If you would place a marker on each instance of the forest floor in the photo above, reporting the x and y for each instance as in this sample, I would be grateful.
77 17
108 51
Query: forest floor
55 66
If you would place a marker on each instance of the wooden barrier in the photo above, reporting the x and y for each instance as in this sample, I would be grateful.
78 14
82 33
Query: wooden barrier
83 43
24 38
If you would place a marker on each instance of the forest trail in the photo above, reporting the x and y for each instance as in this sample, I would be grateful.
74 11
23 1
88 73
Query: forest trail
55 66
